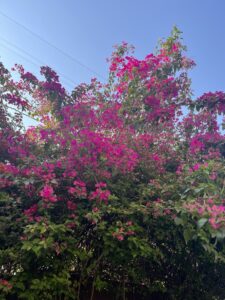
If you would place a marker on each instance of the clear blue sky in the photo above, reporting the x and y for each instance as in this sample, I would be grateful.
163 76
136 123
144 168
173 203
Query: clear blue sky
87 30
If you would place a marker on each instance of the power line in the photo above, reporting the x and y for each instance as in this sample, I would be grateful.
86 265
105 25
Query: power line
24 114
36 59
52 45
25 58
22 56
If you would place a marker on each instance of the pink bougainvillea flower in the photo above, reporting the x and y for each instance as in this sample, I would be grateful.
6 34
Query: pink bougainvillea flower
47 193
71 205
196 167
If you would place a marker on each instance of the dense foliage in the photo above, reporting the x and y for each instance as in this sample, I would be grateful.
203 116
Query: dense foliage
119 189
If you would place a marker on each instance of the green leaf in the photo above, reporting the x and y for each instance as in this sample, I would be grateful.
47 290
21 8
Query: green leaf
188 234
202 222
178 221
220 235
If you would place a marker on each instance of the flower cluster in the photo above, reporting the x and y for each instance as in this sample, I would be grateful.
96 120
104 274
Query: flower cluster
123 230
5 283
47 193
215 213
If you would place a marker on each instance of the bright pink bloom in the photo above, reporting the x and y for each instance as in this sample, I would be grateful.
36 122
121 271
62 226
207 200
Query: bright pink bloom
213 223
120 237
31 211
100 185
196 167
48 194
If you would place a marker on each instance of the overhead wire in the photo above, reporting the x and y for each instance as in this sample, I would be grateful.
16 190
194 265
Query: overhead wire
63 52
38 63
37 59
24 114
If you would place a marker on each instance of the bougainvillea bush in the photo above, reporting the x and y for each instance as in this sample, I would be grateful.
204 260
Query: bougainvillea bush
118 192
